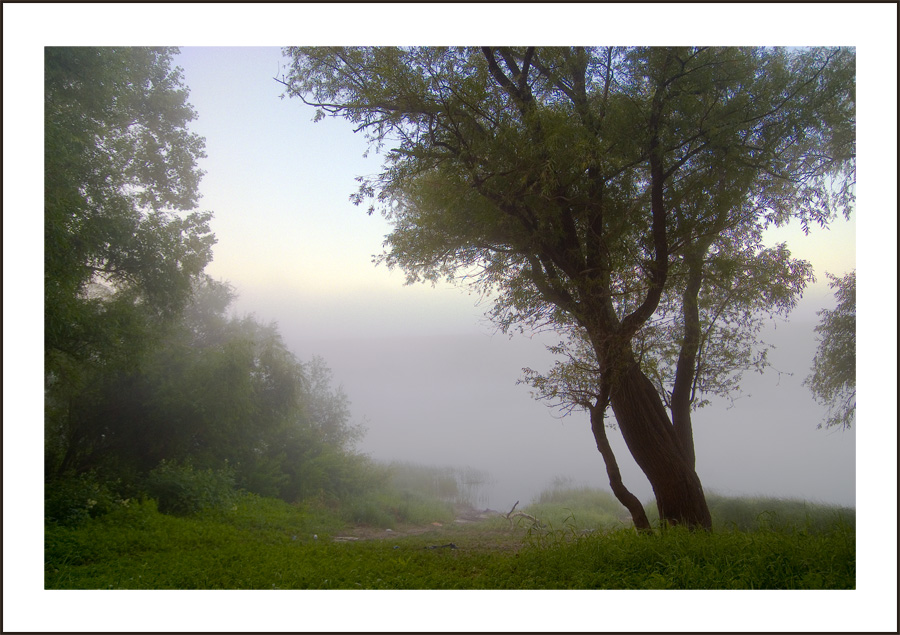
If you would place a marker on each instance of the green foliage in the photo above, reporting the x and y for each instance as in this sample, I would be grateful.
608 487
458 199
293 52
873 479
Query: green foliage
777 514
680 559
122 247
500 155
749 514
372 513
326 473
211 390
182 490
744 284
409 493
274 517
328 407
120 165
564 508
833 380
581 509
71 501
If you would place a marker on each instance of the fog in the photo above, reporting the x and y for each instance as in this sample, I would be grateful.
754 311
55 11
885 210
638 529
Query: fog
452 399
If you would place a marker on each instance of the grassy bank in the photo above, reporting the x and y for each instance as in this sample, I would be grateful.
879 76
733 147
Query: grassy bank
259 543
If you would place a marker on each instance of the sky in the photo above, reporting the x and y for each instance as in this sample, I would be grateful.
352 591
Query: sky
428 376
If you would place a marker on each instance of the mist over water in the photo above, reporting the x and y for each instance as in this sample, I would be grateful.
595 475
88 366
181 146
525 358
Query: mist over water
453 400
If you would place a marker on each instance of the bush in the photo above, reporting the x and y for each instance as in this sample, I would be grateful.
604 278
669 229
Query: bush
181 490
72 500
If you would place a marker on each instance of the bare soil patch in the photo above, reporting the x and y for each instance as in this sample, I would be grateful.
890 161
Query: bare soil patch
471 528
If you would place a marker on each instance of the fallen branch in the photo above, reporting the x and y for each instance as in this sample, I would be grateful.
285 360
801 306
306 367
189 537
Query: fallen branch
512 515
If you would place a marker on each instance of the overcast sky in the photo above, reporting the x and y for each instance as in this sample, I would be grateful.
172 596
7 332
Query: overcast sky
426 374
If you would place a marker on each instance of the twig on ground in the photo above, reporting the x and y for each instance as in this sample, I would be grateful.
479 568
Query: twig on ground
512 515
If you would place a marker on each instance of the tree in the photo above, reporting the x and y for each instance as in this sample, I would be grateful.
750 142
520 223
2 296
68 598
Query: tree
686 361
329 408
592 187
121 247
833 380
120 169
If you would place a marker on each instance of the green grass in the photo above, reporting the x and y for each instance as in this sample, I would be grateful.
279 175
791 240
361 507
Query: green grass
582 509
587 509
260 543
749 513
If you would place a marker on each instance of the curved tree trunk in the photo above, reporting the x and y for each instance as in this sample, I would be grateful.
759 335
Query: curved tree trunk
624 496
656 448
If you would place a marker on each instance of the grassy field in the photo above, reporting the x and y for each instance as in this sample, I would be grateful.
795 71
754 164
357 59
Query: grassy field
402 541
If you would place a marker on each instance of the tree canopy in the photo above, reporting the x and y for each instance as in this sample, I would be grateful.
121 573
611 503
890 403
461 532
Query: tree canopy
619 190
121 245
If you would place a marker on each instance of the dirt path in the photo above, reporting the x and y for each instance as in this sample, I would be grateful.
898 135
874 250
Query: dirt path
468 521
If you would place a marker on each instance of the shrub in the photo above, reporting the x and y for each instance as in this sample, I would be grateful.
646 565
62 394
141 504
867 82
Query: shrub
182 490
72 500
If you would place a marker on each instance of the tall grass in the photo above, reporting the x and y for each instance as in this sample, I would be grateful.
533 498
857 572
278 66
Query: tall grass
581 508
585 508
758 512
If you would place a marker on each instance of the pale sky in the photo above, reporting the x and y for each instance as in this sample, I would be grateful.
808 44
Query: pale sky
424 371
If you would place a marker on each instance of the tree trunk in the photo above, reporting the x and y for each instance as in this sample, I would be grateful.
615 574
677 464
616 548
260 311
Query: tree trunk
629 500
653 443
686 370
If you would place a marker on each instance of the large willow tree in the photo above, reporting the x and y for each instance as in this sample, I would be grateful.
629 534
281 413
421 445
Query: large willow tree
595 188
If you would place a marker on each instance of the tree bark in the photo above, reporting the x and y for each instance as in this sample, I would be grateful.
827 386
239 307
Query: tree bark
624 496
656 448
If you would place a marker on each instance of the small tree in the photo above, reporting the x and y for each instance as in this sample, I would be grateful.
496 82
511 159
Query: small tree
833 380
